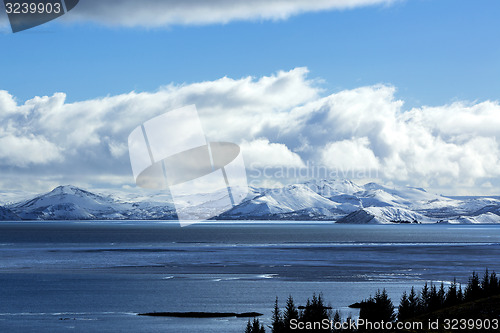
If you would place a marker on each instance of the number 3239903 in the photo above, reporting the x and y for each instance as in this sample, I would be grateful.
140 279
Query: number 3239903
33 8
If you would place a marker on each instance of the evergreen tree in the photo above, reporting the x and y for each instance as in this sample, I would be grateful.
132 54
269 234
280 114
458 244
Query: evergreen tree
257 327
322 308
485 283
424 298
337 319
404 311
304 313
249 327
348 320
451 297
368 310
414 302
441 295
277 325
290 313
433 299
383 301
378 308
494 284
314 312
254 327
473 289
460 294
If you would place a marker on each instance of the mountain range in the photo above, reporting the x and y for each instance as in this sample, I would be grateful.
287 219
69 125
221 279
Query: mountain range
338 200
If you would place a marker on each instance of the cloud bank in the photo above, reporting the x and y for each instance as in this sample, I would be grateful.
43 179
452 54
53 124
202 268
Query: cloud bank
155 13
281 121
166 13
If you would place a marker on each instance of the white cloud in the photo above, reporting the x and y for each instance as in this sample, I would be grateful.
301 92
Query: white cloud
27 150
350 155
261 154
154 13
7 103
459 121
279 120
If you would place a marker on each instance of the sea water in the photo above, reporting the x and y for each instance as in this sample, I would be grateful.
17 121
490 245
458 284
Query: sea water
96 276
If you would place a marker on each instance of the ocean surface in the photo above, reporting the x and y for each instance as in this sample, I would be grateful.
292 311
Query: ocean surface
82 276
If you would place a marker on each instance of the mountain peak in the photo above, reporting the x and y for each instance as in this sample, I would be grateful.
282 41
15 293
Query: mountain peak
67 189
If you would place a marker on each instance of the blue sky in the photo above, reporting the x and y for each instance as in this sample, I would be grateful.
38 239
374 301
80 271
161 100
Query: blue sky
411 87
434 52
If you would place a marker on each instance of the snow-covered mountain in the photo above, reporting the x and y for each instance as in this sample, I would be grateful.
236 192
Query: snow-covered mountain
72 203
68 202
293 202
341 201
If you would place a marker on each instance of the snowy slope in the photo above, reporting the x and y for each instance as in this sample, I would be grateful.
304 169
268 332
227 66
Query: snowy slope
487 218
72 203
384 215
334 187
294 197
140 204
7 215
293 202
409 197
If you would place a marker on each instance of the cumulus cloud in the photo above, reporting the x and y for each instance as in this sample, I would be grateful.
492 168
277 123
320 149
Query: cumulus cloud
154 13
263 154
428 146
26 150
7 102
282 120
350 155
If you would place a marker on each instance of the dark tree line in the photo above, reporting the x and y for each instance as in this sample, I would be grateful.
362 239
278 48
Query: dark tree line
290 318
254 326
380 307
432 298
315 310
